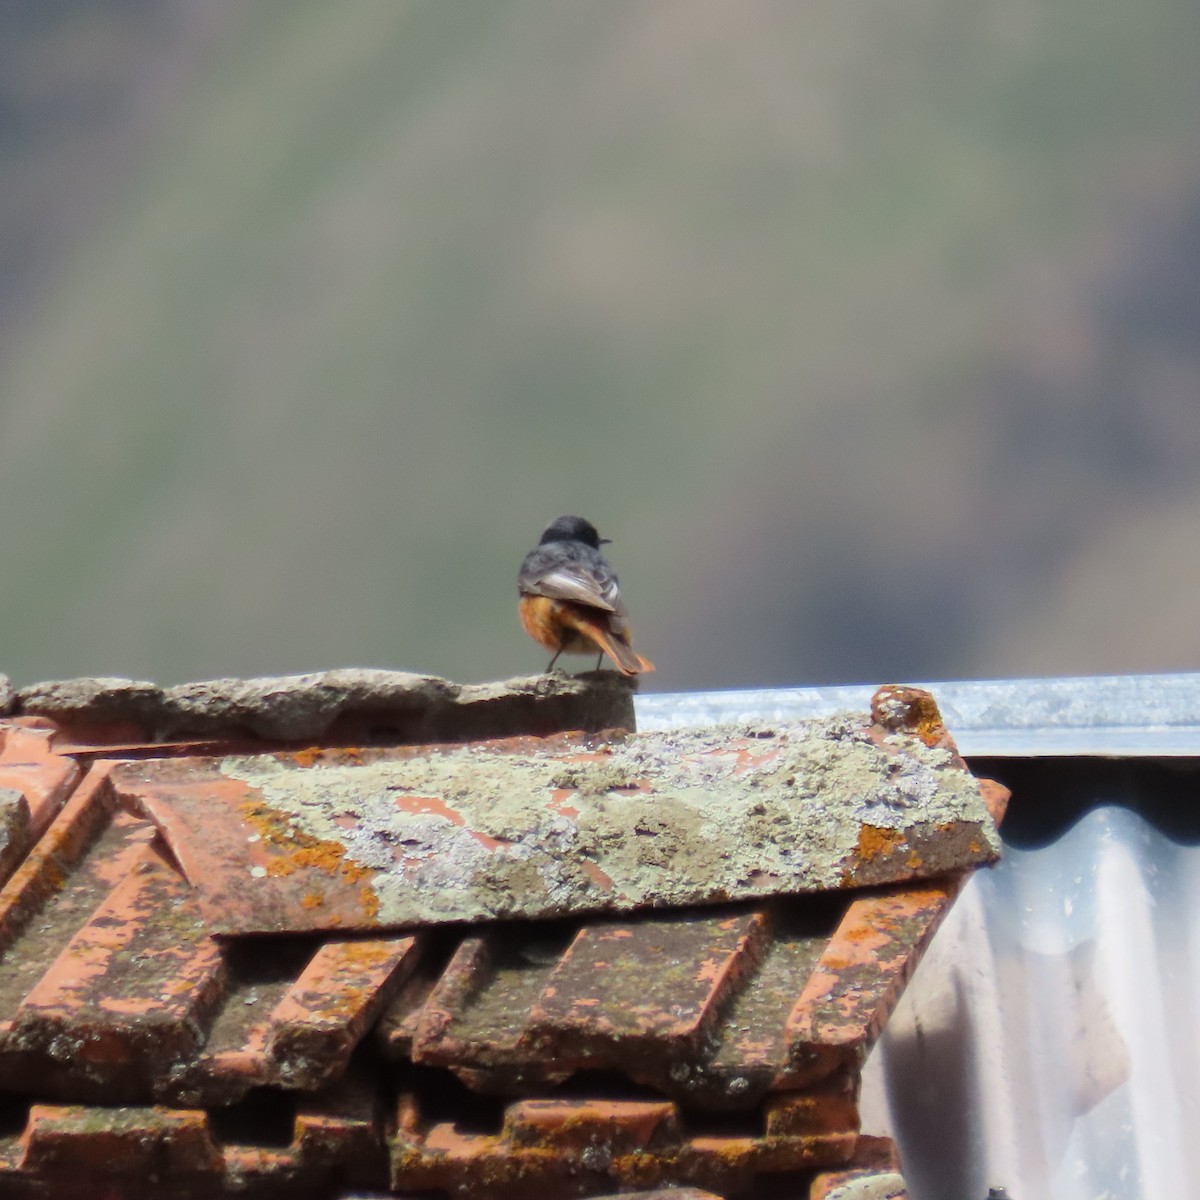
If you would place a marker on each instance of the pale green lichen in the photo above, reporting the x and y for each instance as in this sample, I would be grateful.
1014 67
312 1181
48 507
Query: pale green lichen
467 832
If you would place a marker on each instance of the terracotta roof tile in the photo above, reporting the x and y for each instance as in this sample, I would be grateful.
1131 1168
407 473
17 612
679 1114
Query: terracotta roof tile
566 824
34 782
113 990
552 1146
66 1151
744 1001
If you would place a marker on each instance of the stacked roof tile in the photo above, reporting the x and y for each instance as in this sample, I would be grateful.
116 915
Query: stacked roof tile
216 979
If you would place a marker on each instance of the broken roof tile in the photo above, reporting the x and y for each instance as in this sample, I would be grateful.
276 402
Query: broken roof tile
547 827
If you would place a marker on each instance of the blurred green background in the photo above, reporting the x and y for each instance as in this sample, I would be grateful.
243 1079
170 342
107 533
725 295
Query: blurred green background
869 333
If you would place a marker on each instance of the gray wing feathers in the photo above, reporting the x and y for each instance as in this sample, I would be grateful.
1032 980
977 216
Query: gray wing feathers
580 586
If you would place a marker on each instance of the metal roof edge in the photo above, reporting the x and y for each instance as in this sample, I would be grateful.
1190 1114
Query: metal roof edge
1126 716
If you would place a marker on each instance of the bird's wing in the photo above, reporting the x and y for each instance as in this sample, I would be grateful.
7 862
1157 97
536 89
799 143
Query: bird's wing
576 582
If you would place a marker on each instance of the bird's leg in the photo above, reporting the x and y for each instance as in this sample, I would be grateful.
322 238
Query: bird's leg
552 662
599 659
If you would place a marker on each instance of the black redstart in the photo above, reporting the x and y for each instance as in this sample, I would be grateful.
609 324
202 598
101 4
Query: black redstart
570 600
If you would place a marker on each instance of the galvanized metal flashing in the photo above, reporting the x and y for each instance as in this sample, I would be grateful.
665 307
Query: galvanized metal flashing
1114 715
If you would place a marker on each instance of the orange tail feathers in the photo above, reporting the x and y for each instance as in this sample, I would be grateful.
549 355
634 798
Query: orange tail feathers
628 661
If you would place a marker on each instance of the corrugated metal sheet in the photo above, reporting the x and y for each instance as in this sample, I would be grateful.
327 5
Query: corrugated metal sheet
1048 1043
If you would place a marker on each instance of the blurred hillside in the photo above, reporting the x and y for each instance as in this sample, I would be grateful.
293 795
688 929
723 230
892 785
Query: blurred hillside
870 335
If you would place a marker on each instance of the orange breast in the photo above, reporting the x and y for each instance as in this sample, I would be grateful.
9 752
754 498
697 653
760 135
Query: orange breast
539 620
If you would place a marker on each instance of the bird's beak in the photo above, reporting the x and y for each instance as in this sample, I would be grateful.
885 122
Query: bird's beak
606 541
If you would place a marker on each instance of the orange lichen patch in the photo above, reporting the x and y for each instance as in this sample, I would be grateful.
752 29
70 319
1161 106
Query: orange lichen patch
862 938
368 901
323 856
875 842
314 756
289 850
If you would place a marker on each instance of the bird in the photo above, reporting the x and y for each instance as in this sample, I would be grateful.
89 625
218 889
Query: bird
570 600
